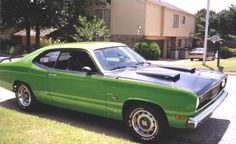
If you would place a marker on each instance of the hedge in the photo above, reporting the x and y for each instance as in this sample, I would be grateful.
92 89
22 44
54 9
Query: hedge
149 50
228 52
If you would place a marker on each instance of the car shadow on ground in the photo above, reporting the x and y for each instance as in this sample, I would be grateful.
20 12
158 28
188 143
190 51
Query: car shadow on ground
211 131
205 65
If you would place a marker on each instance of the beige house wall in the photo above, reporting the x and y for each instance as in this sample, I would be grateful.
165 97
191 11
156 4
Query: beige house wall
126 16
184 30
153 22
156 21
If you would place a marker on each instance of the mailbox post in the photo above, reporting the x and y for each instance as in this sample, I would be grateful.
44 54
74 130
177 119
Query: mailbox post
217 41
218 45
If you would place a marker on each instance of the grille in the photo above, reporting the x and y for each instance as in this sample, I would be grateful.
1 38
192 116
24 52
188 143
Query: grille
211 94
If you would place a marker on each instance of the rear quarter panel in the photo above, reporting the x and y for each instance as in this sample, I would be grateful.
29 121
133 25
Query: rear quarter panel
25 71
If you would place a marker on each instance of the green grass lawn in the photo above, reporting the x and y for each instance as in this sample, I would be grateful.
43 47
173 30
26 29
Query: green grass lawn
20 128
227 65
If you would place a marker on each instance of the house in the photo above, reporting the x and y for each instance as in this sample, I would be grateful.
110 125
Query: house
131 20
43 35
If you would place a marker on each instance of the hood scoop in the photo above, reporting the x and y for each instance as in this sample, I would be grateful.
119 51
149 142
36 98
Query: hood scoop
181 69
160 75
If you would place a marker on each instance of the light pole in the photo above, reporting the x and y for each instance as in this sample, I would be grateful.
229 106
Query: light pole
0 23
0 12
206 32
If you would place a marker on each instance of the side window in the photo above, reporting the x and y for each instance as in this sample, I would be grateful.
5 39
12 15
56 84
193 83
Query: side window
48 59
74 60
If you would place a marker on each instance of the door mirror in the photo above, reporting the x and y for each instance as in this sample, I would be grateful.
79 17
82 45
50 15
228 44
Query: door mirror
87 69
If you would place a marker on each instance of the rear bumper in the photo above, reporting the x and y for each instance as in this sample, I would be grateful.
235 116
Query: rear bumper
195 121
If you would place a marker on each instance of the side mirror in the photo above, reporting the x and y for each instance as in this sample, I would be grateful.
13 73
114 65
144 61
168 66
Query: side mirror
87 69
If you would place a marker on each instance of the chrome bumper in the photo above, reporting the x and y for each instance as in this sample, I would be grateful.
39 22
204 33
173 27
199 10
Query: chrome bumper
194 122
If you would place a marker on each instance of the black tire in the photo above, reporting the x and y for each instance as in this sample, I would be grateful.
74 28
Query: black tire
152 123
200 59
25 98
191 59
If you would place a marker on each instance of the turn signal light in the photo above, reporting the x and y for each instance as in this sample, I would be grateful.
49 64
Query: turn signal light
180 117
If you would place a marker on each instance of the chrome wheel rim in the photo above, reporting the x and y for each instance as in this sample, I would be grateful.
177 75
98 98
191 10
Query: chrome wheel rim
144 123
24 96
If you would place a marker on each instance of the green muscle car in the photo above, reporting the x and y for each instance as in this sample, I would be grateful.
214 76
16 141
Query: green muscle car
111 80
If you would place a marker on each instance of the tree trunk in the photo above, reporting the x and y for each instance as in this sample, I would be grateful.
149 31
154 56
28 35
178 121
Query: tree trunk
28 36
37 37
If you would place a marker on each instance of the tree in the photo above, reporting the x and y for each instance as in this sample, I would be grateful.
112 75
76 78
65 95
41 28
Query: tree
90 30
15 13
201 20
39 14
223 23
227 22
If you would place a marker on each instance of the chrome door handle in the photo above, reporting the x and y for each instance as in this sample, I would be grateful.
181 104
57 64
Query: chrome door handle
52 75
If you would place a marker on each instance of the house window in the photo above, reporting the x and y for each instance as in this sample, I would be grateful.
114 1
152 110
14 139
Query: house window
176 21
104 14
184 19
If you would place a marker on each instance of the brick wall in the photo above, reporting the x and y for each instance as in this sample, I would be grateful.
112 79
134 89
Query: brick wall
129 40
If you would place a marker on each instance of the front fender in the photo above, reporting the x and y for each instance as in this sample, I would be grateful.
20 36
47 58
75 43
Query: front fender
174 102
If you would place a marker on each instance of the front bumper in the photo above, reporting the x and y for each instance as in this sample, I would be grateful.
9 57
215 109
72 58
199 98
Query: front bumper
195 121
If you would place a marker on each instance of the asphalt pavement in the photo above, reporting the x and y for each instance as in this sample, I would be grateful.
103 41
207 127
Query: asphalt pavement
219 129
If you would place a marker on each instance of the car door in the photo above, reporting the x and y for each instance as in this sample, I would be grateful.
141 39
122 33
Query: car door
72 88
42 65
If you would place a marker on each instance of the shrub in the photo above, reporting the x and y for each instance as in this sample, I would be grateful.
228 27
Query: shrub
149 50
227 52
90 30
16 51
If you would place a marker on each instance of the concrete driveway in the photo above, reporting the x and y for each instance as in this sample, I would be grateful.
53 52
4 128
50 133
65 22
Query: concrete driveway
220 128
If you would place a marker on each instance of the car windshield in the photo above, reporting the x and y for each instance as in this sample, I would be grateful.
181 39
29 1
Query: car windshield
118 57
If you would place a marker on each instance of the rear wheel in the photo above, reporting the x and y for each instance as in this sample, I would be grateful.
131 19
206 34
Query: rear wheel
191 59
147 124
25 98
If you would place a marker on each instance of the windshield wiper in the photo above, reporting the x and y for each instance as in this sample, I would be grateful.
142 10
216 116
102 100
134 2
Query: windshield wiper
142 63
118 67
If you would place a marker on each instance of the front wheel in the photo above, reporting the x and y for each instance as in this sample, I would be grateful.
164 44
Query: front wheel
25 98
147 124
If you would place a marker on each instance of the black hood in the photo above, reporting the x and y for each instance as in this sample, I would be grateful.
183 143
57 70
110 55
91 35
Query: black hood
197 81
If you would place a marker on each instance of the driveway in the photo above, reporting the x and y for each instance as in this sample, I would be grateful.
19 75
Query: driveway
220 128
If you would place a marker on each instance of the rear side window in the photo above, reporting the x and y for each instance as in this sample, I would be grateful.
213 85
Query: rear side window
48 59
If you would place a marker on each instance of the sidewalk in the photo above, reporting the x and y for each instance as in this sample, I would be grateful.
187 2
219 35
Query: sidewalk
5 94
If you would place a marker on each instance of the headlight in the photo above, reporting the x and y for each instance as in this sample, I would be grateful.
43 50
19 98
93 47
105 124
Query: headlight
223 83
